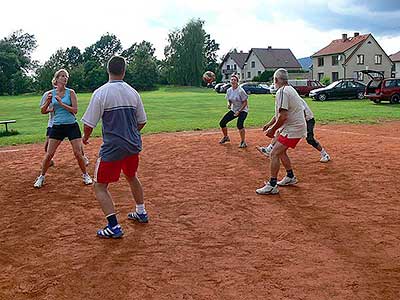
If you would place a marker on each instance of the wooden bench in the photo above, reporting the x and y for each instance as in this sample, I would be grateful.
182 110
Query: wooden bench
7 122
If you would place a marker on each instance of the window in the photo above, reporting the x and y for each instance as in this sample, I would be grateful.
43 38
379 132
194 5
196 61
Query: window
335 60
253 64
360 59
226 76
378 59
320 61
259 73
228 67
235 67
358 76
320 76
335 76
390 84
248 74
342 85
242 75
351 84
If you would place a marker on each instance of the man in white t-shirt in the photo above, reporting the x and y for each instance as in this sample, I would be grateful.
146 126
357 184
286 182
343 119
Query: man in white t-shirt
121 110
310 136
289 118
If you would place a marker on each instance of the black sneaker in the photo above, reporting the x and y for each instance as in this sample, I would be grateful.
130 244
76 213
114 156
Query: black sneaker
224 140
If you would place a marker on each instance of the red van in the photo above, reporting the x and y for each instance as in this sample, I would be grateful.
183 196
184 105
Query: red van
381 89
305 86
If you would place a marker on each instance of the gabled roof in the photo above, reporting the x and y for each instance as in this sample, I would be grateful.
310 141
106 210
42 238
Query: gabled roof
341 45
276 58
238 57
395 57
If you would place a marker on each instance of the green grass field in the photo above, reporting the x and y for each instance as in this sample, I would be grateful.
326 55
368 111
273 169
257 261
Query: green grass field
171 109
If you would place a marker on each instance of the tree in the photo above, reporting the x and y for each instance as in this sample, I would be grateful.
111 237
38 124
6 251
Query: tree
16 62
103 49
190 52
142 71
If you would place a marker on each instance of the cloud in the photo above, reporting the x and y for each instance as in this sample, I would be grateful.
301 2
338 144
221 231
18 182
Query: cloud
305 26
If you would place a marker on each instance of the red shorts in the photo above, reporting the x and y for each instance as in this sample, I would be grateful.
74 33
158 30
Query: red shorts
290 143
109 171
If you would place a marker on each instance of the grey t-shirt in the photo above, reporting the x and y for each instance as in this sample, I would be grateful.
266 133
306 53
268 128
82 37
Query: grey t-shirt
51 114
237 97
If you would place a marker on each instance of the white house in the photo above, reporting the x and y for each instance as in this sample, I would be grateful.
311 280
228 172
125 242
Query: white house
233 62
346 57
396 61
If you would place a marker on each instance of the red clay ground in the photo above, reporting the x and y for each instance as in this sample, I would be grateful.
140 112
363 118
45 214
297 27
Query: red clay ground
336 235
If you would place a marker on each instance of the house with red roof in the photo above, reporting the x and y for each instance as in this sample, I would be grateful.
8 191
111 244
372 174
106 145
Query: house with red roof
396 61
346 57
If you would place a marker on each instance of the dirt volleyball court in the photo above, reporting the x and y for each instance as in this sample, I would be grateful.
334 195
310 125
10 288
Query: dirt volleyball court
336 235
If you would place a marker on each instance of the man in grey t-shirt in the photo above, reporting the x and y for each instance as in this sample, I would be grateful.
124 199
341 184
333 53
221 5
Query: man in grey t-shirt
121 110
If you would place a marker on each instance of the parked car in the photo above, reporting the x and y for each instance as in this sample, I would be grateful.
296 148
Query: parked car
218 86
224 88
341 89
305 86
255 88
381 89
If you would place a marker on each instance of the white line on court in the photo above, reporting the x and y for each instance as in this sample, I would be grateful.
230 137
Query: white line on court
358 133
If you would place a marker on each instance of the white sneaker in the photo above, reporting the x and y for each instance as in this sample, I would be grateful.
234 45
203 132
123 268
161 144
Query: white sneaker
87 179
268 189
39 182
86 160
287 181
325 158
264 150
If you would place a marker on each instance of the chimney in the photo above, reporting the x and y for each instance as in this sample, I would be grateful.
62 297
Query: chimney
269 47
241 51
356 34
344 36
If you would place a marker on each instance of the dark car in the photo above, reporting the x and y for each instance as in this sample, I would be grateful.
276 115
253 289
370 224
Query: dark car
218 86
305 86
224 88
341 89
381 89
255 88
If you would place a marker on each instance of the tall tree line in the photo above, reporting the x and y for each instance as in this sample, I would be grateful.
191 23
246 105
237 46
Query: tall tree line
190 51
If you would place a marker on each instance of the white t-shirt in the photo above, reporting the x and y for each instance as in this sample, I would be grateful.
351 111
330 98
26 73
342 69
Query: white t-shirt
237 97
121 109
51 114
288 99
308 112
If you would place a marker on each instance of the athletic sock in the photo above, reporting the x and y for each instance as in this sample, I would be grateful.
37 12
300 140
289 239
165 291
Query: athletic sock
273 181
140 209
323 152
112 220
290 173
270 146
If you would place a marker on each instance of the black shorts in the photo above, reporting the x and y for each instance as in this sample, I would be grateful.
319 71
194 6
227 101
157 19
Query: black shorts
48 131
60 132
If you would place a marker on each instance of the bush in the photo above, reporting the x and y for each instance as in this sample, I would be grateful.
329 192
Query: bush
325 80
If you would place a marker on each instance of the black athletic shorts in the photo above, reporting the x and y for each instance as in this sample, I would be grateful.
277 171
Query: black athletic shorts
48 131
60 132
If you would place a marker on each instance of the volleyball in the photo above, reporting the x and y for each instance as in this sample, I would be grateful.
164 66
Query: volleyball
208 77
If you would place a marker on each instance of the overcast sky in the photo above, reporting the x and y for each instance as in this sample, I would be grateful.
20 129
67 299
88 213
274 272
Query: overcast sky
303 26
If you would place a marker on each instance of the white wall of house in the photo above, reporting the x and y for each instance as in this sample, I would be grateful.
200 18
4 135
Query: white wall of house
369 49
232 66
397 69
253 67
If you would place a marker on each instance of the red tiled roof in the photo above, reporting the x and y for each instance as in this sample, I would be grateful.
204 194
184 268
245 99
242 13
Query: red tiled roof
340 45
395 57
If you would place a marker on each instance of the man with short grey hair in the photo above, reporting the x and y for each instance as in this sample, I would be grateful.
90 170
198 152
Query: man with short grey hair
289 118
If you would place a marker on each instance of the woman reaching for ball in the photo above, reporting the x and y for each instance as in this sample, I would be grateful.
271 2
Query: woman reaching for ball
238 108
65 105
